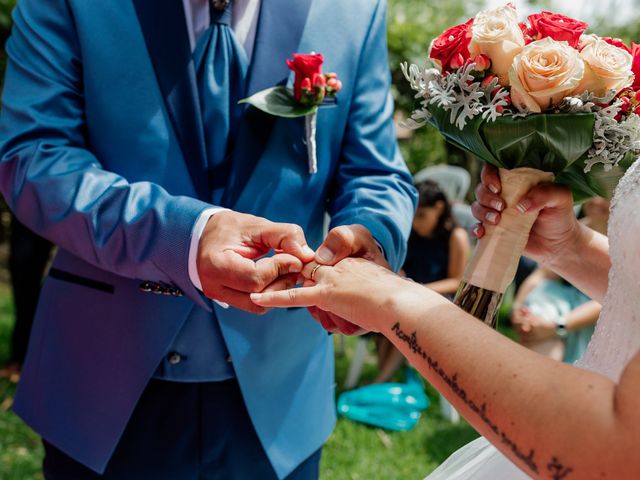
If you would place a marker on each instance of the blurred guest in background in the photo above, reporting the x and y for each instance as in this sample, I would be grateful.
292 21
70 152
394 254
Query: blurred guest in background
554 318
28 257
550 315
436 256
438 248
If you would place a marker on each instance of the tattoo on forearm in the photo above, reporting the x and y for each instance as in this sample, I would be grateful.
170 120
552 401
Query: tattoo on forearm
556 469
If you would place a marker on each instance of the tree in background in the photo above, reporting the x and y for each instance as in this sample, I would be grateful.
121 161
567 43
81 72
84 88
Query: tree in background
412 24
6 6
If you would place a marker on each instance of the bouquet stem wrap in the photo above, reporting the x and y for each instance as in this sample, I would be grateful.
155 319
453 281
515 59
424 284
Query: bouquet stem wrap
496 258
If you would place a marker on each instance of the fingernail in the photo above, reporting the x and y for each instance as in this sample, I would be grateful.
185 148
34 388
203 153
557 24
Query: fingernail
491 217
497 204
308 251
325 255
493 188
523 206
255 297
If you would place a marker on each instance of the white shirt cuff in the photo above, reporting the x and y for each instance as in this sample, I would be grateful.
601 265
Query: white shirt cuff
196 234
380 248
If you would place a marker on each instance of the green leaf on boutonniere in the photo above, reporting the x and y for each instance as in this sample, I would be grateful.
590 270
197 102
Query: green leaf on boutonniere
279 101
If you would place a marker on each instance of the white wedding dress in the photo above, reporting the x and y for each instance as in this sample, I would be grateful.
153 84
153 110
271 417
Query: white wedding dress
615 341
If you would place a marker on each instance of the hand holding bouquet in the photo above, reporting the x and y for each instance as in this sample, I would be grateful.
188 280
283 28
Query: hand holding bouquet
540 100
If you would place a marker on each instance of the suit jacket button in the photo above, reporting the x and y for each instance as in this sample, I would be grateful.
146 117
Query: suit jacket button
175 358
229 359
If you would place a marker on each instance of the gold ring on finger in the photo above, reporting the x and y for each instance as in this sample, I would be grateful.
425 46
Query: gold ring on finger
313 273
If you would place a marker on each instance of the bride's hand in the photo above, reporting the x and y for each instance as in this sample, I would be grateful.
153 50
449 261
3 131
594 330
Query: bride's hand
556 230
355 289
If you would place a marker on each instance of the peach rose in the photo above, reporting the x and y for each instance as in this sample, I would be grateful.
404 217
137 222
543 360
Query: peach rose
497 34
608 67
543 73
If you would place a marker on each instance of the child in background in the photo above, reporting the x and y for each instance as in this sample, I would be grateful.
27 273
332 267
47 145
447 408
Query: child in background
437 253
551 316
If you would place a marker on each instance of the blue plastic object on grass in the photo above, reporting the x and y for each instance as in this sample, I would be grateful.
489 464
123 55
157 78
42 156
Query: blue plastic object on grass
393 406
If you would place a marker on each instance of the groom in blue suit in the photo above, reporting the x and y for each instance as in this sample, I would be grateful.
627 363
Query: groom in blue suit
121 141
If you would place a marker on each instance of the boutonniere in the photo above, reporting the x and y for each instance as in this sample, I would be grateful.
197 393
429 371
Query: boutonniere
311 90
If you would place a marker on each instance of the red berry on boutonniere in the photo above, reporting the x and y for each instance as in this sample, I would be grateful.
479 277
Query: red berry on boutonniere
333 84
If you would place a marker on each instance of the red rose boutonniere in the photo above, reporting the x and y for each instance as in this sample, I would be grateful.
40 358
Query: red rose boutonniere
311 90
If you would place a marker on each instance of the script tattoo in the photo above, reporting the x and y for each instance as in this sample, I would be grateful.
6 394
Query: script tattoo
555 468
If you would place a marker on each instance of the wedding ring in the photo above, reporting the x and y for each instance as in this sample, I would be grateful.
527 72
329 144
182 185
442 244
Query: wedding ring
313 273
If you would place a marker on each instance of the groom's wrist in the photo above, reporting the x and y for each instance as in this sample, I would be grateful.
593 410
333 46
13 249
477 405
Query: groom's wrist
196 234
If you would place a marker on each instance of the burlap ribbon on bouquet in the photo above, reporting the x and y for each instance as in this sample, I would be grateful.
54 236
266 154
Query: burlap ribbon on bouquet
495 260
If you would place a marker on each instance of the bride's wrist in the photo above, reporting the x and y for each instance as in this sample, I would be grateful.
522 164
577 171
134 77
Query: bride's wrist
405 298
570 250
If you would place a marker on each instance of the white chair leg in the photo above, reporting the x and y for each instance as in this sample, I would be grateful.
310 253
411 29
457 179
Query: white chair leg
448 411
357 362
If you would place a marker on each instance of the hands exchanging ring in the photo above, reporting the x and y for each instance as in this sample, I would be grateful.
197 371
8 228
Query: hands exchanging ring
343 242
355 289
232 261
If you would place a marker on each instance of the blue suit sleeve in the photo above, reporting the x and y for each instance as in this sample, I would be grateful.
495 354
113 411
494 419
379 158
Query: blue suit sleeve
373 186
52 181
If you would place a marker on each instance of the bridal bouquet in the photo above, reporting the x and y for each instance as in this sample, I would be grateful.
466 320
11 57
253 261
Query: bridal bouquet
542 101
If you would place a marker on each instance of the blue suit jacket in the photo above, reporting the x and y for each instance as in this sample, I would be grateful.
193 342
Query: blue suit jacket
102 152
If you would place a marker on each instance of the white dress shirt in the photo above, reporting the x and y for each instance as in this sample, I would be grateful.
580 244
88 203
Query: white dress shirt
244 22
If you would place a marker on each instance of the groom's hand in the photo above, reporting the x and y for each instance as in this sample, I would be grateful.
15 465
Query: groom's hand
342 242
231 258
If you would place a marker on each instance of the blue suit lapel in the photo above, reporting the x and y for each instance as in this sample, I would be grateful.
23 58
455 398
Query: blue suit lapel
278 35
165 31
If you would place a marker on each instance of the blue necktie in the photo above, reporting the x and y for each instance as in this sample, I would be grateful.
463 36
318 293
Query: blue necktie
221 64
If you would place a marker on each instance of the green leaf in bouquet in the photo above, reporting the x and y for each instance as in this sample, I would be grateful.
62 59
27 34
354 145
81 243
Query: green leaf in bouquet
279 101
597 182
468 139
548 142
556 143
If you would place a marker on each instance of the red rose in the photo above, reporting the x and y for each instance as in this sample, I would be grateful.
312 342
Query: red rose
526 33
635 66
305 66
616 42
452 42
558 27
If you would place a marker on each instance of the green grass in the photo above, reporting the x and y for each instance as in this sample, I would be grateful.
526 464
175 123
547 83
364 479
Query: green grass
356 451
20 448
353 452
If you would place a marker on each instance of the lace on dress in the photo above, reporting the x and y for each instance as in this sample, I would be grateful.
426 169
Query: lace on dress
617 336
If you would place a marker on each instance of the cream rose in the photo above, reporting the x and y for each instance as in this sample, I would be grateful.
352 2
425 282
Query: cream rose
587 39
543 73
496 34
607 68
